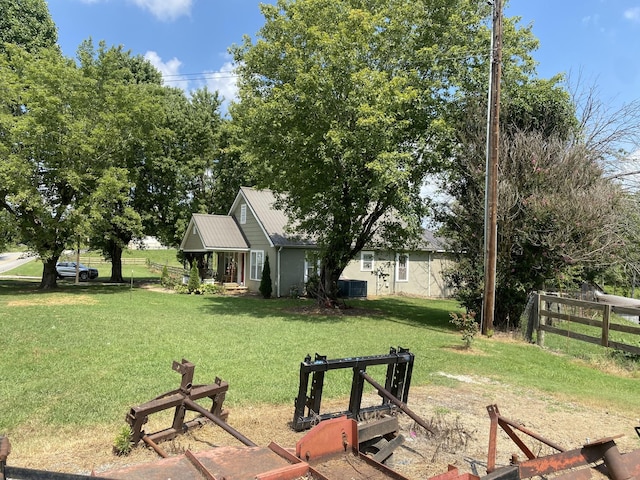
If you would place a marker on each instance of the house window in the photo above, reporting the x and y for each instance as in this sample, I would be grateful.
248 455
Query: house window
366 261
402 267
195 230
311 265
256 264
243 213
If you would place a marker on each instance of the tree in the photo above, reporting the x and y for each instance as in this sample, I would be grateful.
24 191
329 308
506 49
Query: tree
48 150
128 98
558 214
340 102
27 24
265 281
184 168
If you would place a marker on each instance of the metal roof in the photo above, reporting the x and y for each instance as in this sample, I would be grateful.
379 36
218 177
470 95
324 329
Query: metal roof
272 220
219 232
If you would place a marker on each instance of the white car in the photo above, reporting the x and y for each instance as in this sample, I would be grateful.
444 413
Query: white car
68 269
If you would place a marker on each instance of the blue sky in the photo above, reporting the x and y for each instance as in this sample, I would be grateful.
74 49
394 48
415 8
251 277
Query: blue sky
598 40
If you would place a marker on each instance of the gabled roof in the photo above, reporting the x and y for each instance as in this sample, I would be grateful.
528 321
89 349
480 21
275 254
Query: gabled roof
272 220
432 243
216 232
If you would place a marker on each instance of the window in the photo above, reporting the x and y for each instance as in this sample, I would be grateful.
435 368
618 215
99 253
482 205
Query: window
195 230
402 267
366 261
311 265
256 264
243 213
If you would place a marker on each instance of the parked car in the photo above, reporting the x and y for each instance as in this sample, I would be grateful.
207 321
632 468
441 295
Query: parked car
68 269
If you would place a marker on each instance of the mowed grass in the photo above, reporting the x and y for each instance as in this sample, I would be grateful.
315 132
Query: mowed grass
84 354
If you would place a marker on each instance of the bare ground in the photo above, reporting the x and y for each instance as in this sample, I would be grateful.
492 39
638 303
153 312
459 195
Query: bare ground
458 415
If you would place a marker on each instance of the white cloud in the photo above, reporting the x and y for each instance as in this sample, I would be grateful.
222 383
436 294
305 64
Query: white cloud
633 14
224 81
170 70
166 10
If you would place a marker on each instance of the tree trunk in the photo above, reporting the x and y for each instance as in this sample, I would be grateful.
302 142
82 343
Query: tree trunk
115 252
328 291
49 274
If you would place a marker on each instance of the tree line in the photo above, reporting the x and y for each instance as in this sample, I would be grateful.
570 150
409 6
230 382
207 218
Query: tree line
346 109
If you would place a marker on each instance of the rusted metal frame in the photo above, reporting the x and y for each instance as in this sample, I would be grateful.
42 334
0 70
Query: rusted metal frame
402 406
138 416
452 473
586 455
398 378
199 466
222 424
508 426
154 446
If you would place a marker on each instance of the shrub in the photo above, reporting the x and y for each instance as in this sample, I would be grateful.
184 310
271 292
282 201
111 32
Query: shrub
265 282
165 280
466 324
312 286
194 279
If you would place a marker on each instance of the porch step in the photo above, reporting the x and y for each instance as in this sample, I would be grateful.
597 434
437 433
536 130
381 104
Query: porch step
234 288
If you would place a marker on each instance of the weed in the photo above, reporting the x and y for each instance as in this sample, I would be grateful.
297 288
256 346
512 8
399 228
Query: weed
123 444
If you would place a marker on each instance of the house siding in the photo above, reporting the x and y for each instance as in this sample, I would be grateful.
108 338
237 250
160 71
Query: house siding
192 242
256 238
425 275
291 270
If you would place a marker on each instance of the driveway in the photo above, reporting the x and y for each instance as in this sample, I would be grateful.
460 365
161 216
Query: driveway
11 260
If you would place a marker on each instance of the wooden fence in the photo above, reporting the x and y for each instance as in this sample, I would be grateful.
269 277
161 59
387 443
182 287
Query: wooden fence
594 314
100 261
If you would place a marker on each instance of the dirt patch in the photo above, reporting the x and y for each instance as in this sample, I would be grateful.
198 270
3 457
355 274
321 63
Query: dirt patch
456 413
55 300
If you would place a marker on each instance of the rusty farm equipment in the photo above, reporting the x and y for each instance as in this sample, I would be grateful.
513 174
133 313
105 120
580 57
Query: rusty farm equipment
335 447
602 455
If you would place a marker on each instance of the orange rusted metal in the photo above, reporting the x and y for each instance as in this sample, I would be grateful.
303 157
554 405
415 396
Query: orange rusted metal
453 474
338 435
602 453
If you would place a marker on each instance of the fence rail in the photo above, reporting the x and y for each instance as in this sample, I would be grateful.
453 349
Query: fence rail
551 307
178 271
102 261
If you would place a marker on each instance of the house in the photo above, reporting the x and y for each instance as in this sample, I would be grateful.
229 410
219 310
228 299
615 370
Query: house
232 249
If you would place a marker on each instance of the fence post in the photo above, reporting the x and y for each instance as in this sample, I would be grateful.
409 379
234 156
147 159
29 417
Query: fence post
606 317
540 321
532 317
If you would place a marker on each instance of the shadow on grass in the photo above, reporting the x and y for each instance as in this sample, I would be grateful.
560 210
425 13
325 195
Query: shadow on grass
258 307
424 313
30 286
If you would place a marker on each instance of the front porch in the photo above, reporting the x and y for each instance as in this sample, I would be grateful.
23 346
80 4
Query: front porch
222 268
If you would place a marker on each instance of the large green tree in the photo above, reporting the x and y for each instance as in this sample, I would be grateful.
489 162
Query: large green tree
129 99
28 24
340 104
48 149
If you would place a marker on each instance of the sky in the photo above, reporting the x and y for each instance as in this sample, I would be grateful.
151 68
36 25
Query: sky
597 41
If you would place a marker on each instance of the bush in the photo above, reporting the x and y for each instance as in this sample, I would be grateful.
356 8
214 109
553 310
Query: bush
467 325
194 279
312 286
265 282
203 289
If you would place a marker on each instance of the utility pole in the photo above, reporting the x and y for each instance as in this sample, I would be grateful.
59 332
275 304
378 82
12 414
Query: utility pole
491 181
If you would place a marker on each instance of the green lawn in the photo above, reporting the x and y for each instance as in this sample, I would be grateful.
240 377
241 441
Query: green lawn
82 355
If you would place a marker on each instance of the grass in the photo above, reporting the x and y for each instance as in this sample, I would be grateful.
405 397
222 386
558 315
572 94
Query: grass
137 272
82 355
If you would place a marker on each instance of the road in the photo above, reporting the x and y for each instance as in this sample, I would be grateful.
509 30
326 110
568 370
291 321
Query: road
11 260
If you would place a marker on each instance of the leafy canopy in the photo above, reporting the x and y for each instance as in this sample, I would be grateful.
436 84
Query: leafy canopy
340 105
